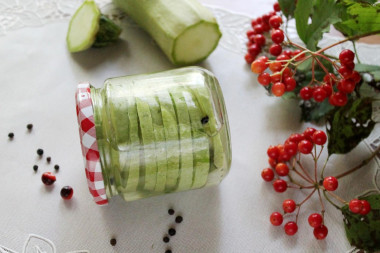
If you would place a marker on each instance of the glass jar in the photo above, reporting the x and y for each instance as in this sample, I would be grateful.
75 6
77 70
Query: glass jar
153 134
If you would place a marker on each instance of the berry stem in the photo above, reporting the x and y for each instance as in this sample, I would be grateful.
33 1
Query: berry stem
322 205
300 185
324 167
356 52
330 201
363 163
321 65
355 37
337 197
300 204
309 179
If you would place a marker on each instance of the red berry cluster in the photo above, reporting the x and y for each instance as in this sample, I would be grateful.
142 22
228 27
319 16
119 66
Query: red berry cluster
335 88
281 166
261 27
359 206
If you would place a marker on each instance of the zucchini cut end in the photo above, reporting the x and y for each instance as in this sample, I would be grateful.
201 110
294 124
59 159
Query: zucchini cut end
83 27
196 43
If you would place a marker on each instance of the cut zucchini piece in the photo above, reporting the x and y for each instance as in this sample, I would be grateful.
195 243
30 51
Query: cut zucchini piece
159 136
203 98
186 144
185 30
134 151
200 139
147 135
172 139
88 27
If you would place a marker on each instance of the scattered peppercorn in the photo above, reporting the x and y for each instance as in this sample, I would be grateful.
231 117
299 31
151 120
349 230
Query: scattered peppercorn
35 167
29 126
168 251
166 239
172 231
171 211
48 178
67 192
11 135
56 167
40 151
205 120
178 219
48 159
113 241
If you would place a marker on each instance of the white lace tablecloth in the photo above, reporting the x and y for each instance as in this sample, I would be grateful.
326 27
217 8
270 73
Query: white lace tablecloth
38 79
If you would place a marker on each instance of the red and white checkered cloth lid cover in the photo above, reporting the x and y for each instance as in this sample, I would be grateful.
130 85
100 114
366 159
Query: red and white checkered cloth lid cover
90 151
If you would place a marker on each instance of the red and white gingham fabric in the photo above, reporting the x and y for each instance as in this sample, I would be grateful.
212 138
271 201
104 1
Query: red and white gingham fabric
90 151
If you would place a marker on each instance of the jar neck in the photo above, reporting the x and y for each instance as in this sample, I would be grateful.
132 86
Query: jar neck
103 140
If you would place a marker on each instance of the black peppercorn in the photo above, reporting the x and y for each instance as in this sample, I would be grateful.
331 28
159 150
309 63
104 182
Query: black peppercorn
35 167
171 231
11 135
29 126
56 167
205 120
166 239
168 251
40 152
48 159
113 241
171 211
178 219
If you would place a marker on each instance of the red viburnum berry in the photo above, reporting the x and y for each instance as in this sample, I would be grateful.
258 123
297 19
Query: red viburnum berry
305 146
291 228
330 183
319 137
275 49
355 205
280 185
267 174
289 205
306 93
315 220
276 219
346 56
282 169
277 36
366 207
320 232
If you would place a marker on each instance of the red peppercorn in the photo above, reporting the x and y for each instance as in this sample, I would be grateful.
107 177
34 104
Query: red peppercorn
48 178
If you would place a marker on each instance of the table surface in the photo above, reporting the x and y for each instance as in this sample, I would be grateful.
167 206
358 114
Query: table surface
38 79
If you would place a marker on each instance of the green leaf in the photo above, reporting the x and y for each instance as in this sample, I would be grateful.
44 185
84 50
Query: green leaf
322 13
358 17
363 231
313 111
287 7
349 125
366 68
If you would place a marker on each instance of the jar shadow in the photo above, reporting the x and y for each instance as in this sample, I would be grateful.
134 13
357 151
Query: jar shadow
140 226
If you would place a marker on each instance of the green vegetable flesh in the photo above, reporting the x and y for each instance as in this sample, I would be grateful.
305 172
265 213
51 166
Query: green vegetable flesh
159 136
203 98
186 143
172 138
147 134
201 151
83 27
134 147
185 30
88 27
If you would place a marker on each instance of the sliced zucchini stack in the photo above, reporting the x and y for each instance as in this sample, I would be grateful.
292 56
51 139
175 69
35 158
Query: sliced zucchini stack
167 139
88 27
